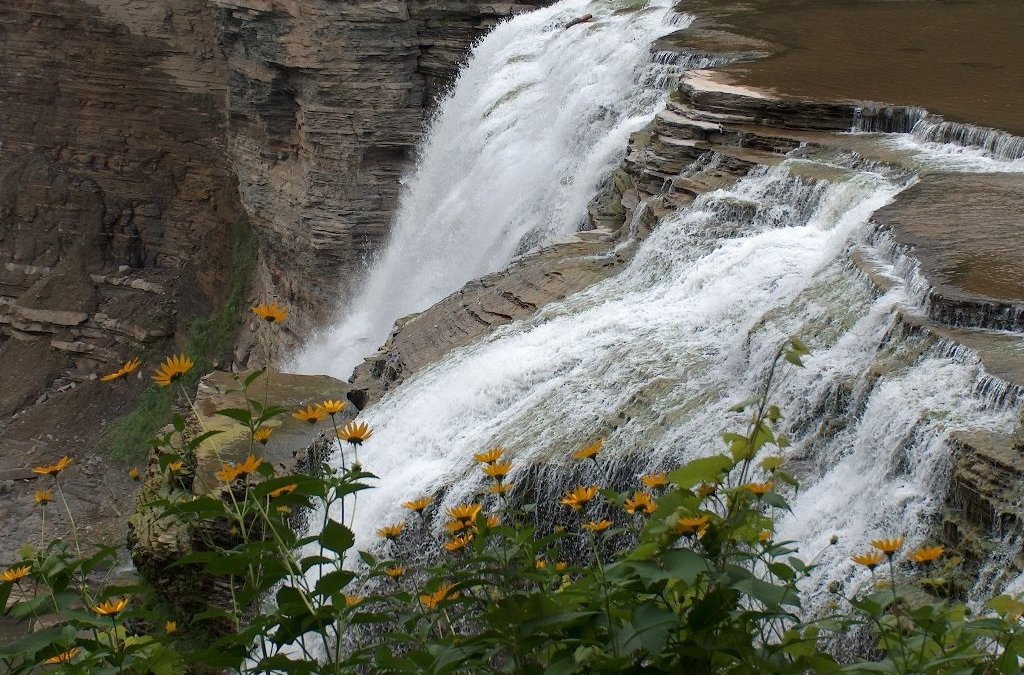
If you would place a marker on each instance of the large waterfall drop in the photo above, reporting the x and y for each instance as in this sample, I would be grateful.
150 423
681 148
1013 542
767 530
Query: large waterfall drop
537 119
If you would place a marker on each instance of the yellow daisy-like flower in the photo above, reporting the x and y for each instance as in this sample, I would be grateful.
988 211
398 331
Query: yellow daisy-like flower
63 657
597 526
171 627
284 490
465 513
871 559
15 573
705 490
250 465
888 546
642 503
172 370
127 369
175 467
489 457
353 600
391 532
655 481
53 469
355 433
690 526
539 563
418 505
589 452
262 435
927 554
500 488
227 474
493 520
498 471
271 312
579 498
764 536
561 566
458 543
311 414
758 489
332 407
395 573
44 497
111 607
432 600
453 526
133 473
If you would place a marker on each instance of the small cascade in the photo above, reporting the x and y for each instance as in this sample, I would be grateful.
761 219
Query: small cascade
887 119
536 122
993 142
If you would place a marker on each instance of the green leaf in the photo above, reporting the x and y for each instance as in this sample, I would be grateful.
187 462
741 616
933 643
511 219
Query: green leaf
336 537
179 424
332 582
703 470
648 629
253 376
238 414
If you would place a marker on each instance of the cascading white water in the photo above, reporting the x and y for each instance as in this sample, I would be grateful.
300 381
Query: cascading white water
653 358
537 119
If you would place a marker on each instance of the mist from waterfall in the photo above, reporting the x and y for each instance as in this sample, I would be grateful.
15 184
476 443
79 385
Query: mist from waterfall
536 121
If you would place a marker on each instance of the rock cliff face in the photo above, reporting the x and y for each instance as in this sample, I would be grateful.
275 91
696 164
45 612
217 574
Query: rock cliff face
116 196
327 103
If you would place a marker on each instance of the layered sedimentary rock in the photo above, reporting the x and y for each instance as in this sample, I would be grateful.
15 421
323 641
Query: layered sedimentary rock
116 196
328 101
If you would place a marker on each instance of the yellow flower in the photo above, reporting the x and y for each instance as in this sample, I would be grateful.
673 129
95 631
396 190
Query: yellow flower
262 435
598 526
465 513
227 474
355 433
250 465
284 490
133 473
111 607
171 370
332 407
764 536
432 600
53 469
127 369
15 573
271 313
395 573
391 532
175 467
418 505
171 627
561 566
888 546
691 526
498 471
589 452
759 489
352 600
500 488
310 414
493 520
453 526
705 490
641 502
539 563
655 481
489 457
580 497
927 554
44 497
871 559
63 657
458 543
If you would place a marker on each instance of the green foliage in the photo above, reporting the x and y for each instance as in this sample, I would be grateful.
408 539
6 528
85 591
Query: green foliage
703 587
210 341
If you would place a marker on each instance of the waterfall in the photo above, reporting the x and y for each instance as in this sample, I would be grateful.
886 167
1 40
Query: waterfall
653 358
536 121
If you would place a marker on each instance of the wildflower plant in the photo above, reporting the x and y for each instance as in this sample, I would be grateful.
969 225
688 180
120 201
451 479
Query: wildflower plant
702 586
